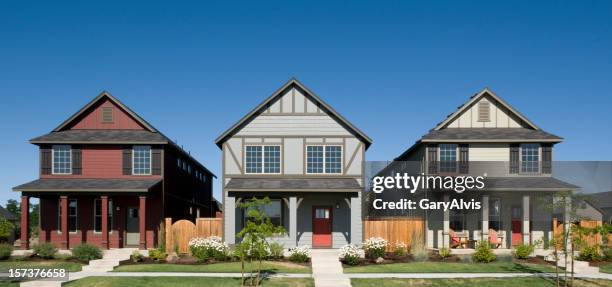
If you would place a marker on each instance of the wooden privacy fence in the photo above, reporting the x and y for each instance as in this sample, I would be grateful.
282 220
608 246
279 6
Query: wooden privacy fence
394 230
179 233
590 240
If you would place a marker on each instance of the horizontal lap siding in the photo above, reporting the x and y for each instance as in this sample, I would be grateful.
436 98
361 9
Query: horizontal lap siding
93 119
319 125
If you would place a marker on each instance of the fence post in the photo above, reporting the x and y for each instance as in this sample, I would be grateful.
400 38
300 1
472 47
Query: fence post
169 237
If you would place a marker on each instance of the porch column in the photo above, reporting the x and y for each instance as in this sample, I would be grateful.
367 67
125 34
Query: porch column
25 222
485 218
446 225
293 220
104 221
64 224
229 220
526 233
356 223
141 218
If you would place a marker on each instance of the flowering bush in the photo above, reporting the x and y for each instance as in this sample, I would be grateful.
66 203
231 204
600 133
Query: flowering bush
350 254
401 249
299 254
209 248
375 247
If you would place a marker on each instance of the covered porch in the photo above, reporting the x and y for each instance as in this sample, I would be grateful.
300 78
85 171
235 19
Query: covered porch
318 214
105 213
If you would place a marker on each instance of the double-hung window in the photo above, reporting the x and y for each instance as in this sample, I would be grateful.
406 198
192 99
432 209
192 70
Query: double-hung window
495 214
98 215
324 159
274 211
263 159
62 159
141 160
448 158
530 158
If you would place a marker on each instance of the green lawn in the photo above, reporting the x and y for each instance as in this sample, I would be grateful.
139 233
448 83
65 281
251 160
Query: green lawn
449 267
606 268
69 266
480 282
182 282
225 267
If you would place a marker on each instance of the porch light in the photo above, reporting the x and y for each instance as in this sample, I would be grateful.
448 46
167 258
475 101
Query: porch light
337 205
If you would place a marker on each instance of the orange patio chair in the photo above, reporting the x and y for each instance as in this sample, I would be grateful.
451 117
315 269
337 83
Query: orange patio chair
494 239
455 240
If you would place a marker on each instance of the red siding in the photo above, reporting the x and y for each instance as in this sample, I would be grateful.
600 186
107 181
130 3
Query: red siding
92 120
101 161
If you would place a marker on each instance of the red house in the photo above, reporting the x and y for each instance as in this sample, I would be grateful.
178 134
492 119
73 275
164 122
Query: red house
108 178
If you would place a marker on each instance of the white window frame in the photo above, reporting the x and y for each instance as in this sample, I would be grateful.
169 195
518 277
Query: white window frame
53 159
325 159
538 162
440 161
150 161
263 159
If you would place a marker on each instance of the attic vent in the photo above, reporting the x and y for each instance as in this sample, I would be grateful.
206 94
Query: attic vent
484 112
107 115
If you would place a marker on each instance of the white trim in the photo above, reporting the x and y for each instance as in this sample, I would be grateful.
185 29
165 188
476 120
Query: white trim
150 160
108 213
263 147
53 159
325 159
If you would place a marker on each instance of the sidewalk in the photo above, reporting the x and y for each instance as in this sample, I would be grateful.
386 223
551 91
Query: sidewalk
327 269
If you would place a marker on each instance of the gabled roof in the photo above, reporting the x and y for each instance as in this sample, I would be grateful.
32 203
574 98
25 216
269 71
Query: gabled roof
102 95
474 99
276 95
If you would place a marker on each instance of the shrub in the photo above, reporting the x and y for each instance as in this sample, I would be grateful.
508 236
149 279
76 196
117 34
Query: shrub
374 247
589 253
157 254
484 253
45 250
209 248
349 254
400 249
5 251
444 252
418 250
523 251
607 253
299 254
276 250
86 252
6 228
136 256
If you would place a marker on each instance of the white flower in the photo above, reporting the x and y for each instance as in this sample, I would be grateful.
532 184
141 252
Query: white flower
300 250
211 243
374 243
350 250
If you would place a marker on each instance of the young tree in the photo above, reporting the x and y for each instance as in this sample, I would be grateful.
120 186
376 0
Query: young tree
6 228
258 228
15 209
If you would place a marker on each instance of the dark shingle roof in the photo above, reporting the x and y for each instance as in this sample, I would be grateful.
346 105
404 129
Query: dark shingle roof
6 214
101 136
274 184
601 199
91 185
489 134
527 183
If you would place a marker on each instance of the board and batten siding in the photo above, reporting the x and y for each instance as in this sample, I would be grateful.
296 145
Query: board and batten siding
499 117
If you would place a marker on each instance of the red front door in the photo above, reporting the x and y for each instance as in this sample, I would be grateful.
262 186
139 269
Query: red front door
322 226
517 236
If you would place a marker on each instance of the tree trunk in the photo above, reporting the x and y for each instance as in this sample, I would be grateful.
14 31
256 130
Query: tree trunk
572 255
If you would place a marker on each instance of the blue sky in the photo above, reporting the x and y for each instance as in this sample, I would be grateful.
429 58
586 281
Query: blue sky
394 69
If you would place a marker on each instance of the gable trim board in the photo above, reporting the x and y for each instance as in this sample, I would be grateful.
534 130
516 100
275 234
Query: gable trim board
104 94
476 98
265 107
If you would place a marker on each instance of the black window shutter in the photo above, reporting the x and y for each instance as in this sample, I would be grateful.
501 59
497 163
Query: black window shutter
547 158
127 160
76 160
514 158
156 161
464 158
432 158
45 160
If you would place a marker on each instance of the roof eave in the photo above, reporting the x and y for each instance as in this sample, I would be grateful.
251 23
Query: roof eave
491 140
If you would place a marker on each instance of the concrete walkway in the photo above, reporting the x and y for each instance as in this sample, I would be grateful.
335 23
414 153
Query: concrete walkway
327 269
471 275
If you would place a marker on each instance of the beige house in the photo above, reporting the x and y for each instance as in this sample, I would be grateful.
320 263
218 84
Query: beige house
300 152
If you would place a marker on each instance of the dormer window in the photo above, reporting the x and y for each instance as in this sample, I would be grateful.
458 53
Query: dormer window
62 159
484 111
107 115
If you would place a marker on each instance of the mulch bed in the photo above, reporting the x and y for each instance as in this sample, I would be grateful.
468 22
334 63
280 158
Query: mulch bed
391 258
35 258
190 260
